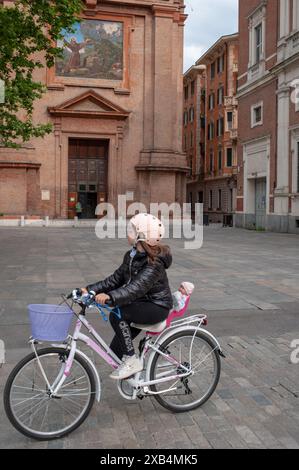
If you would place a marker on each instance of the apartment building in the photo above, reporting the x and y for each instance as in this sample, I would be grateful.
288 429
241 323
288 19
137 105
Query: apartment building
194 131
268 99
221 62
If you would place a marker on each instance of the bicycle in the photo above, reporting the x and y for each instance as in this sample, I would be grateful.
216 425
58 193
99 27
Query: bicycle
51 392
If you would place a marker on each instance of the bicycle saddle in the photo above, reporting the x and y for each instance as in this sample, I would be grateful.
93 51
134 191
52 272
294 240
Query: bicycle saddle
157 328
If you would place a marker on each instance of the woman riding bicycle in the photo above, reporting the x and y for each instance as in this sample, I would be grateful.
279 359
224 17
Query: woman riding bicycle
139 287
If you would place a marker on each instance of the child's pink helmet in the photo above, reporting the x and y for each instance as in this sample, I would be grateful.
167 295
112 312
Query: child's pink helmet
146 228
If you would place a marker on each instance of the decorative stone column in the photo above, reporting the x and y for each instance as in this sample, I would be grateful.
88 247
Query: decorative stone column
58 188
281 204
161 164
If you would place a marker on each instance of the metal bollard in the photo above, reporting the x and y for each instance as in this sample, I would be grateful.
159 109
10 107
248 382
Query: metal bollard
2 352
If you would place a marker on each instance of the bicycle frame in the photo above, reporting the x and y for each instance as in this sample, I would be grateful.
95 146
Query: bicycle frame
103 350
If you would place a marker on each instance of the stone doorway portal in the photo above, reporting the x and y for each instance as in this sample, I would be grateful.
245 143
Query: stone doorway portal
87 175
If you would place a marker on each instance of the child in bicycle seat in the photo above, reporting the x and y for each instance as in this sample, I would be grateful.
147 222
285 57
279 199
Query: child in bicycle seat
139 287
180 297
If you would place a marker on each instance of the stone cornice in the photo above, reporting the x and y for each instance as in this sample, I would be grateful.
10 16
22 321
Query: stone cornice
91 3
261 5
279 66
255 139
252 86
162 160
171 168
216 47
13 164
164 9
153 4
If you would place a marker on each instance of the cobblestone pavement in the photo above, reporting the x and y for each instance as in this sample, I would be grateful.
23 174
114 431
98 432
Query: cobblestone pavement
247 283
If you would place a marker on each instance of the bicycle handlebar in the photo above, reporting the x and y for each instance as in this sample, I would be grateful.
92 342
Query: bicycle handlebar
77 297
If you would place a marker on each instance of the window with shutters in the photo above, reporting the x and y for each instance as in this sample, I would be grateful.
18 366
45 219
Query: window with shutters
213 69
191 114
229 157
185 118
220 96
258 35
211 160
219 199
210 199
211 131
186 92
192 88
229 120
257 115
257 25
220 64
220 127
220 158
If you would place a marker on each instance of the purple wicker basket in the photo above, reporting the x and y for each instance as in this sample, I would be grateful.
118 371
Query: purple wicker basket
50 322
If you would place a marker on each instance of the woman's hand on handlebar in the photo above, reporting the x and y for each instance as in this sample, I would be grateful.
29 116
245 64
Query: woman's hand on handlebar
102 299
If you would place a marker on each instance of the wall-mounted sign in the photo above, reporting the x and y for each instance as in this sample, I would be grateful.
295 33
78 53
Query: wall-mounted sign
130 195
45 195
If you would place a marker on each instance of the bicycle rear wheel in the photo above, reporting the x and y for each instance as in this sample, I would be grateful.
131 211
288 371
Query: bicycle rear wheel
204 365
27 401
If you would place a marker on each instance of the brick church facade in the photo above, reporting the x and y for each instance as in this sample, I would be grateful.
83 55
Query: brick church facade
116 113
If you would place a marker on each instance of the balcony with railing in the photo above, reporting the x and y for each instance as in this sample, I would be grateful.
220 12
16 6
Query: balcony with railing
230 101
233 134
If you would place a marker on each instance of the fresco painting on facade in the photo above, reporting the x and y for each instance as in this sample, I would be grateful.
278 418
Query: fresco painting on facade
94 50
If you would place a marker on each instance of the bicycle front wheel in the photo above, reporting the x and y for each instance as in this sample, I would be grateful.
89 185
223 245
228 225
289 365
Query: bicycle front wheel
28 402
192 352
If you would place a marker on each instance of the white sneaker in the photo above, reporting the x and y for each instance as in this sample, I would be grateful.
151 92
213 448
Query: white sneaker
130 366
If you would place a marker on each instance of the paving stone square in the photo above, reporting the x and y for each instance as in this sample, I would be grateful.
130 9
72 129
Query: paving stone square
248 285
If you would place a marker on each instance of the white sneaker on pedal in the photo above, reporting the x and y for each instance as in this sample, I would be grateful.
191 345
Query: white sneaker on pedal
131 365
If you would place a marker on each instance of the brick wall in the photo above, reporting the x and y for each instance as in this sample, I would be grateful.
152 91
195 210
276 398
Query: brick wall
263 90
246 8
13 187
216 213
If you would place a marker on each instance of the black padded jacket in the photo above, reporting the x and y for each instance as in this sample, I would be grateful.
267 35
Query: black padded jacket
138 280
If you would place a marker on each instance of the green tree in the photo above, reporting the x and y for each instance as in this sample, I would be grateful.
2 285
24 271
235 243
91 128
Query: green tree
29 31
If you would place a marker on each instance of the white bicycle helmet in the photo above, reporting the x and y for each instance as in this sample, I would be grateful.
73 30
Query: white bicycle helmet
146 228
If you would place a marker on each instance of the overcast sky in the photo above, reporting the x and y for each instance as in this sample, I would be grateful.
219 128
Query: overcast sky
207 21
